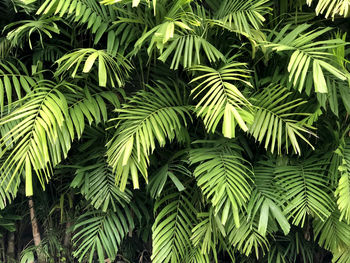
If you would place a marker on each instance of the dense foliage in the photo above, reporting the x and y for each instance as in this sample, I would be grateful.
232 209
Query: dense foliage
174 131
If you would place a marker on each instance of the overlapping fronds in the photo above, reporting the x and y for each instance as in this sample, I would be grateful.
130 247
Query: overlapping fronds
173 171
24 29
15 82
188 50
95 17
39 132
246 238
333 234
265 199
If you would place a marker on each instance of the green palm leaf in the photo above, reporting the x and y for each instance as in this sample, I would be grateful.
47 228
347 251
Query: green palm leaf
171 231
150 117
39 133
246 238
115 69
94 16
333 234
25 28
265 199
343 190
14 80
223 175
187 49
275 119
207 234
307 52
100 233
97 183
305 189
220 99
242 15
331 7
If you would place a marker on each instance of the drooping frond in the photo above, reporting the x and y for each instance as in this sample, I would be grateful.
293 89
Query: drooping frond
343 190
331 7
265 201
224 177
94 16
188 49
8 190
207 234
97 183
308 57
305 189
149 117
41 130
246 238
100 233
171 231
243 16
23 30
333 234
14 80
111 69
277 121
171 171
220 97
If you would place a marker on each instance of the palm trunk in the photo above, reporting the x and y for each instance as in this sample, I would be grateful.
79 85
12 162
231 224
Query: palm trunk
67 236
11 247
36 233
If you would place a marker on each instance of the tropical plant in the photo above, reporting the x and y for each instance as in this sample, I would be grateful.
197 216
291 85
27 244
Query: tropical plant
174 131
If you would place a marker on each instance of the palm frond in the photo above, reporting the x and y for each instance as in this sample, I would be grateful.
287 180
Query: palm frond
246 238
220 99
187 50
224 176
334 233
171 171
242 16
207 233
305 52
331 7
97 183
100 233
343 190
41 130
14 80
266 200
90 13
148 118
276 119
115 69
24 29
305 189
171 231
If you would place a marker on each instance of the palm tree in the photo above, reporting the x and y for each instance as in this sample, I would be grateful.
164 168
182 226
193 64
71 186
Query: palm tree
175 131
